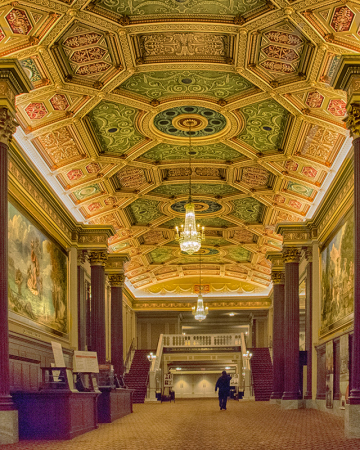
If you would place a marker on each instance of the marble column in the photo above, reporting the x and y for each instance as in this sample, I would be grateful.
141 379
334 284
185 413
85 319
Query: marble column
278 280
117 328
7 128
98 331
81 301
290 398
13 81
308 323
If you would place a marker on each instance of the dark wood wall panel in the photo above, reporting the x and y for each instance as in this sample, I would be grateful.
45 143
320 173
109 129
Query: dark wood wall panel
27 356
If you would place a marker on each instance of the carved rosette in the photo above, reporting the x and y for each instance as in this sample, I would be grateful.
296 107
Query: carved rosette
116 279
353 120
7 126
278 277
291 255
98 258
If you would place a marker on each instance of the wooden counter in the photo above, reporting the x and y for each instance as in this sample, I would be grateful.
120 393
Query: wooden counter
113 404
55 414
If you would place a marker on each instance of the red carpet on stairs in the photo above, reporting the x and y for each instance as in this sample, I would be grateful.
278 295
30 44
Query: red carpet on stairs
262 373
138 375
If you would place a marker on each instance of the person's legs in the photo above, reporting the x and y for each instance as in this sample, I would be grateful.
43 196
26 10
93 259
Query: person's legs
224 401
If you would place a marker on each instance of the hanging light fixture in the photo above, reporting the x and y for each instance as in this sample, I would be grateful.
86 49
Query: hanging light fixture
190 236
199 311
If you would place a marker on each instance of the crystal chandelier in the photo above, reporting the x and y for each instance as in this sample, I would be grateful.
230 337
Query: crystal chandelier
199 311
190 236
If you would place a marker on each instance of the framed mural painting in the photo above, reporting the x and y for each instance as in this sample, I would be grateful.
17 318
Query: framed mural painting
38 277
337 278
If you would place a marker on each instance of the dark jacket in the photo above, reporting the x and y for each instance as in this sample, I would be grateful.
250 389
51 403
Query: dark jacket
223 384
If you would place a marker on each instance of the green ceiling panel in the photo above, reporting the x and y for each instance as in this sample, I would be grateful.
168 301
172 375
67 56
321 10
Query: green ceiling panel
300 189
167 84
31 69
88 191
196 259
220 241
205 189
168 152
160 255
217 222
145 7
248 209
239 254
264 125
144 211
114 127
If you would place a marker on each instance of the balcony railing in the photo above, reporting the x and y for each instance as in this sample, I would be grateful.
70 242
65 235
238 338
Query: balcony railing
202 340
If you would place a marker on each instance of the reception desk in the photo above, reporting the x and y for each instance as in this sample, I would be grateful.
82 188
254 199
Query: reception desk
113 404
56 414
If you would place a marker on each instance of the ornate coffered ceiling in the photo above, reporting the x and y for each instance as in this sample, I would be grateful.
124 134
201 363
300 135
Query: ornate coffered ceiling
114 83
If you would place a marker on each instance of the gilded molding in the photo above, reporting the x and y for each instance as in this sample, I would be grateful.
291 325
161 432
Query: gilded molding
309 254
98 258
278 277
291 255
81 257
116 279
7 126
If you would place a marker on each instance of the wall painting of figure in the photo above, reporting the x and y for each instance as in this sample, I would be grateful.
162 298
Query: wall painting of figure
37 275
337 279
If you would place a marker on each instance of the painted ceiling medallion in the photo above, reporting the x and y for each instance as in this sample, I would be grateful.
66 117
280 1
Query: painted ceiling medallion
201 206
204 121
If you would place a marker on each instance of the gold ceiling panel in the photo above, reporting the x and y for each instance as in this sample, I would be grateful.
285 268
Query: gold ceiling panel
114 84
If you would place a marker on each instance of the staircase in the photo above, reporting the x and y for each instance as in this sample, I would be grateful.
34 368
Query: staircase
137 377
262 373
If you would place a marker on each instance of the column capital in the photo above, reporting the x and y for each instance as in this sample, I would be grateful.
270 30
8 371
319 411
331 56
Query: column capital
278 277
8 125
308 254
291 255
98 258
116 279
353 119
81 257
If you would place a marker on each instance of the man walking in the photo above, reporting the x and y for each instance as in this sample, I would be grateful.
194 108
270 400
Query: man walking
223 384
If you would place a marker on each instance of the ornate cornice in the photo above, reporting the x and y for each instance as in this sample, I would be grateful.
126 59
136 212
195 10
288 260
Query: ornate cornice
115 263
291 255
13 81
8 126
278 277
116 279
98 258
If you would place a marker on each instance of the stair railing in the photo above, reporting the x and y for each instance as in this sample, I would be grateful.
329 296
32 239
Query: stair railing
129 357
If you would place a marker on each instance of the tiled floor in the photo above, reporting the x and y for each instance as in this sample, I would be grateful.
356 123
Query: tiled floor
199 424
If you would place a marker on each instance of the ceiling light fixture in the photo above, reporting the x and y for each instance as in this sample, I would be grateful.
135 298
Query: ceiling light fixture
200 312
190 236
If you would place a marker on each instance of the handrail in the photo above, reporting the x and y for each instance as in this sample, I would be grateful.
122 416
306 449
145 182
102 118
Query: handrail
203 340
128 356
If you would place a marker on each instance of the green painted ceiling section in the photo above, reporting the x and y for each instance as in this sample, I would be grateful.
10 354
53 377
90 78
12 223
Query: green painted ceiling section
168 152
205 189
264 125
300 189
144 211
31 69
248 209
196 259
176 7
239 254
216 222
167 84
219 241
114 127
160 255
88 191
